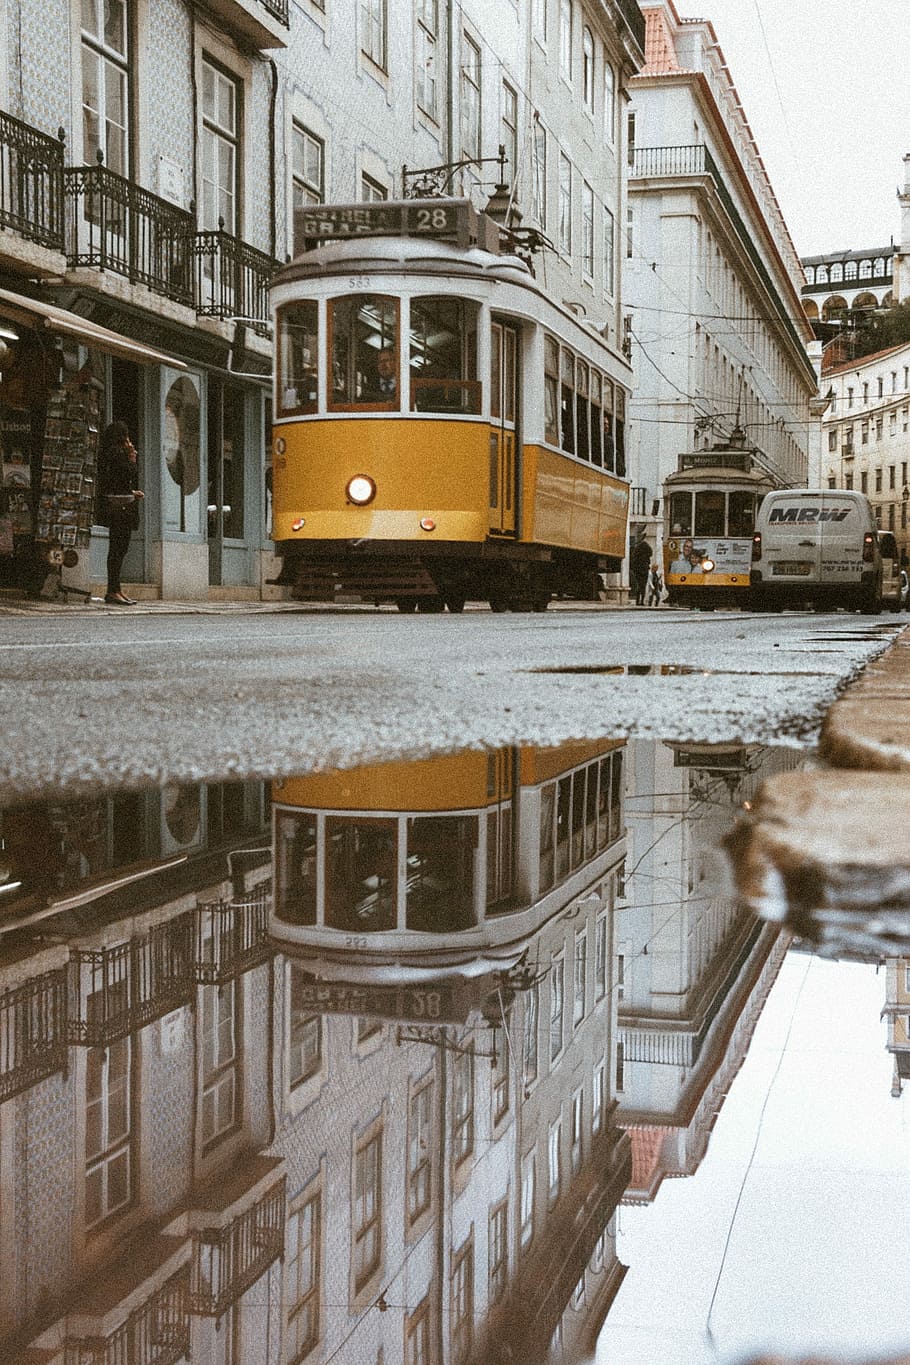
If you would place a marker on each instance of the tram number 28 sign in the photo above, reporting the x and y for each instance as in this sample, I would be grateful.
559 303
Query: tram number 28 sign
449 219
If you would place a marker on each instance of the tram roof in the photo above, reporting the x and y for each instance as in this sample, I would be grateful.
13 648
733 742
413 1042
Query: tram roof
404 256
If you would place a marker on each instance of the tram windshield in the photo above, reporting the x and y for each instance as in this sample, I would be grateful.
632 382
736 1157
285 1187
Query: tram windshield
716 512
443 357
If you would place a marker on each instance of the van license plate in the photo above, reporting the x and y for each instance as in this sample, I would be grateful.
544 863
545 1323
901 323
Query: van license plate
791 566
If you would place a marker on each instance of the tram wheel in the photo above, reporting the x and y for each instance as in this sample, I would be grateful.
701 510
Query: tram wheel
499 600
429 606
540 602
455 602
406 604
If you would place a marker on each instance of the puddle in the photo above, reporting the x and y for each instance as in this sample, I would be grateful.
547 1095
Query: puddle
383 1036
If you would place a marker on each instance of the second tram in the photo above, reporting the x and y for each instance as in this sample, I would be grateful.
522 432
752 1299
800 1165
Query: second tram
710 505
444 430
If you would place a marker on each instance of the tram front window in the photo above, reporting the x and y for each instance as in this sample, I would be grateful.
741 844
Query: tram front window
681 514
297 351
709 513
444 355
440 873
295 890
741 514
363 338
361 877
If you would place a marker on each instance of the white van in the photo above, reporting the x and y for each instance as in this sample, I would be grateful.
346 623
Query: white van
817 545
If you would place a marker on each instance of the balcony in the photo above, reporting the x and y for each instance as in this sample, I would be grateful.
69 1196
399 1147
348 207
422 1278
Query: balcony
156 1332
33 1040
114 991
264 23
231 278
31 183
230 937
634 19
238 1232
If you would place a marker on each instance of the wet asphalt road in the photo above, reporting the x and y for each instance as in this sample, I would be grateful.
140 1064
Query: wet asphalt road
93 699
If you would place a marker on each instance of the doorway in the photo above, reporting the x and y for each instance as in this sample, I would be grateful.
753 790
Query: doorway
503 428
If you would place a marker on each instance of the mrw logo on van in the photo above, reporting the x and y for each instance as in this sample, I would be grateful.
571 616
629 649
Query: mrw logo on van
808 515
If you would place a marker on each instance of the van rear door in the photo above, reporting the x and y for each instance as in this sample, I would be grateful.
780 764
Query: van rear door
814 537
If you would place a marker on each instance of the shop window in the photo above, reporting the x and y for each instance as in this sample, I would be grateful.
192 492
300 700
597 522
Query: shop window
183 501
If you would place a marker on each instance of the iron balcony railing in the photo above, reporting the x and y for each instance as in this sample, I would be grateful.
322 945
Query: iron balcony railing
279 10
33 1042
115 990
228 1260
31 182
155 1333
696 159
230 937
635 20
114 224
231 278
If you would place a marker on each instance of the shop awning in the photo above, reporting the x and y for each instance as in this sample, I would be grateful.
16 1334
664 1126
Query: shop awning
20 308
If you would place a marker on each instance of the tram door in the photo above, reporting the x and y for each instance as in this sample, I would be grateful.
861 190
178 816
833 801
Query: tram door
503 428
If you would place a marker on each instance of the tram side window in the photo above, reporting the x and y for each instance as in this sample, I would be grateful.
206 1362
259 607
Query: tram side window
361 857
582 444
709 513
551 390
567 402
297 352
609 444
440 872
681 514
363 338
597 429
295 891
443 360
741 514
620 433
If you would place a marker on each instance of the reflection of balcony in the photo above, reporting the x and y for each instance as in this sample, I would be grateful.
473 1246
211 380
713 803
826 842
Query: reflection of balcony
231 278
114 224
238 1232
114 991
230 937
31 183
264 23
32 1032
156 1332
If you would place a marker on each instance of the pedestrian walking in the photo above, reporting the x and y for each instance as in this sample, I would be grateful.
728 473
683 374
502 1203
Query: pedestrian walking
639 569
655 586
118 475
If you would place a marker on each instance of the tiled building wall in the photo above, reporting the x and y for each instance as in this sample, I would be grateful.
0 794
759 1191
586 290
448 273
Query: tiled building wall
166 71
44 1146
38 60
167 1119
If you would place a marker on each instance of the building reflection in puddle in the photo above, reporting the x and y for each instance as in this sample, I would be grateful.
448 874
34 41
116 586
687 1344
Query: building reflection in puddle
378 1096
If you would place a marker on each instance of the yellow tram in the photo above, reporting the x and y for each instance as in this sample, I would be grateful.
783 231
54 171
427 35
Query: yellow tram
710 505
443 429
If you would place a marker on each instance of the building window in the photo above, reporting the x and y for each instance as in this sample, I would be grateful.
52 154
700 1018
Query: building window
630 225
865 393
554 1142
539 19
540 173
108 1131
462 1304
220 148
367 1207
373 34
578 1107
528 1173
532 1015
500 1081
878 480
417 1341
371 192
587 229
420 1151
579 984
587 56
556 1007
427 34
565 38
463 1108
620 1067
864 433
892 476
609 252
105 83
832 440
565 204
832 482
849 396
304 1034
499 1250
304 1274
881 387
597 1102
220 1062
508 133
470 98
879 428
600 958
307 174
848 481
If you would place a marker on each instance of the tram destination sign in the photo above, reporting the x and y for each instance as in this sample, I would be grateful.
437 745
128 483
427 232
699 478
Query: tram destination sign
452 220
433 1002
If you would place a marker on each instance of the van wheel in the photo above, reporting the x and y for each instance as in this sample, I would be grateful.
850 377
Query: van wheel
871 603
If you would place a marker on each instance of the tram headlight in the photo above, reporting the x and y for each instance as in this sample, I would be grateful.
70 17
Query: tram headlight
361 490
707 565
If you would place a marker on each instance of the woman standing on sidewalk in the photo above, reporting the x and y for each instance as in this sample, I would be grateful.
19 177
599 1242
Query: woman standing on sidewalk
119 511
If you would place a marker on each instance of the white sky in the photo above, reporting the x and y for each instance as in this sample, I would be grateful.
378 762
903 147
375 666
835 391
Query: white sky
833 138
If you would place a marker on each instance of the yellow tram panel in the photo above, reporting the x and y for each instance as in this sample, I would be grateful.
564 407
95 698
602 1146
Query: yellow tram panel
420 468
573 505
541 765
451 782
